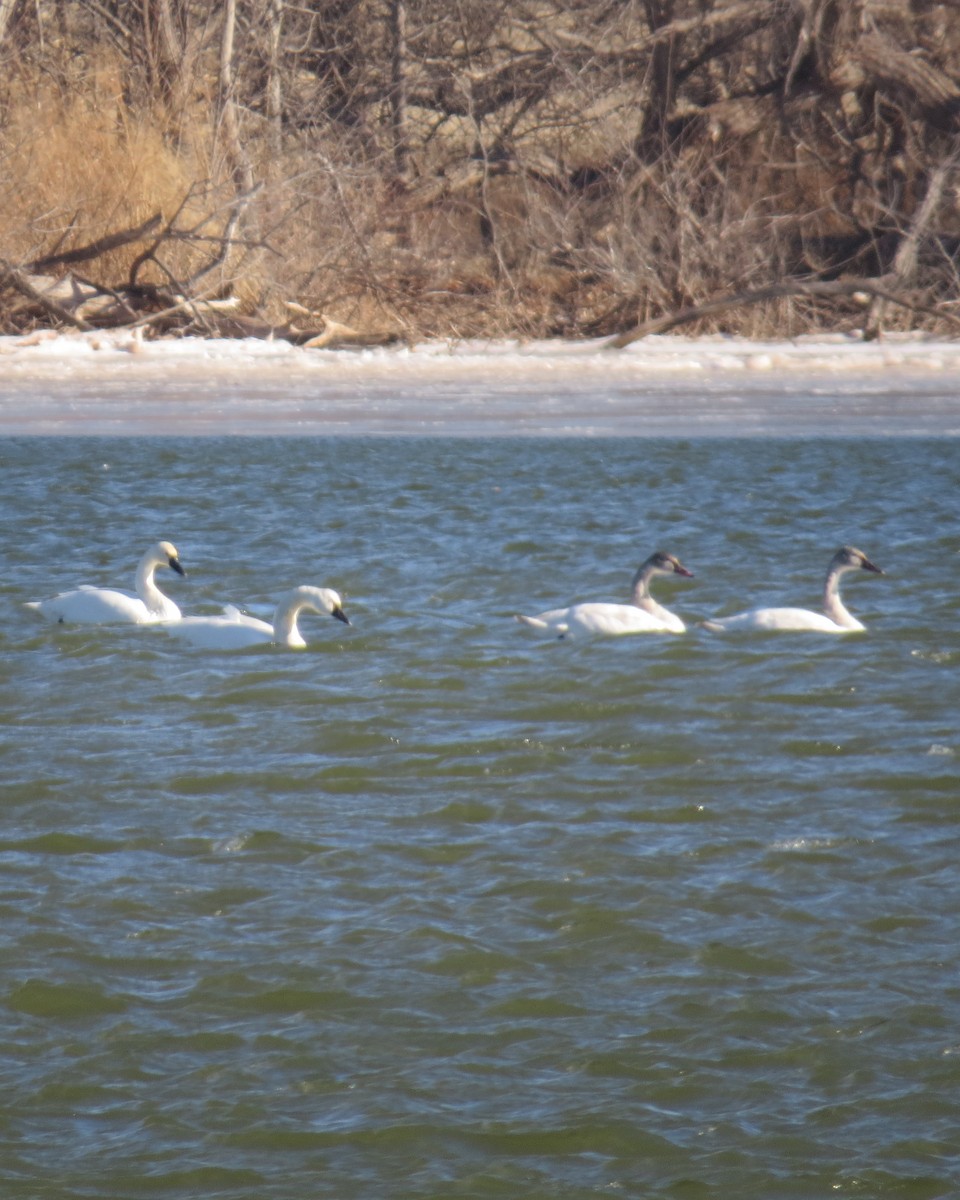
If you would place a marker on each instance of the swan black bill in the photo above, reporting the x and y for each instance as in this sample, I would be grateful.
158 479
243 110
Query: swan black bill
175 566
868 566
679 570
341 616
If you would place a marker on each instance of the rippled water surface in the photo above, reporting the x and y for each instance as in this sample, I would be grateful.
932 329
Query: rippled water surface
434 908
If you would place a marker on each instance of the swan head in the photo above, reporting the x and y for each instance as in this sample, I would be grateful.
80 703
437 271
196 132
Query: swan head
849 558
666 564
165 555
323 600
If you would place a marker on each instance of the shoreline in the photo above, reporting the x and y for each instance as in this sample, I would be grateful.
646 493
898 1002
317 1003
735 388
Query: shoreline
665 385
49 355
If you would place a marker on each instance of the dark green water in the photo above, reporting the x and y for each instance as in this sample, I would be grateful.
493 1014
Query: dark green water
434 909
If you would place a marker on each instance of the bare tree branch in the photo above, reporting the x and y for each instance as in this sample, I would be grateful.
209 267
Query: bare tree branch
905 260
6 15
820 289
102 246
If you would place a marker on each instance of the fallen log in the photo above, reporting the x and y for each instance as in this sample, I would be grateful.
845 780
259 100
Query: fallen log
878 288
335 336
13 277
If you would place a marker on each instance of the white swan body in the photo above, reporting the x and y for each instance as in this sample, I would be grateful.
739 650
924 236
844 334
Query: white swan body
104 606
642 615
835 618
234 629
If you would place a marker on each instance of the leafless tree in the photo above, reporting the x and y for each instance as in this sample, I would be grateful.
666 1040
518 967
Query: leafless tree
545 166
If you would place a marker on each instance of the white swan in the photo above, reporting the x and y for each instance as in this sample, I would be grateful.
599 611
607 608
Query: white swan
234 629
103 606
834 618
642 615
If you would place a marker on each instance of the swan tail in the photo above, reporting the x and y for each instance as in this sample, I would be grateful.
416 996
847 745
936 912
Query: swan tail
533 622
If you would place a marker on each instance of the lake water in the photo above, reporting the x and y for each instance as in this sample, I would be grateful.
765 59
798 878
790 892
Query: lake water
437 909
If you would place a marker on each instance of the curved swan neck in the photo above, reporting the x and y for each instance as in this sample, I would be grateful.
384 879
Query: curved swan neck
285 629
318 600
147 590
833 606
640 591
640 585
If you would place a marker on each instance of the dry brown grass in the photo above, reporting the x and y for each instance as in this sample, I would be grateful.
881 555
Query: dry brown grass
78 164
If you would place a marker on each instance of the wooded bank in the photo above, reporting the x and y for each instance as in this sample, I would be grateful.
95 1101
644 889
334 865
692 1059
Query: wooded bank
367 170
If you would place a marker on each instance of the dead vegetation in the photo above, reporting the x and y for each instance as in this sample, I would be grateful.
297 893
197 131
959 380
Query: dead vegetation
355 171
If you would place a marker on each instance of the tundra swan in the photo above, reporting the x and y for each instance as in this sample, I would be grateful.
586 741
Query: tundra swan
235 629
834 619
642 615
102 606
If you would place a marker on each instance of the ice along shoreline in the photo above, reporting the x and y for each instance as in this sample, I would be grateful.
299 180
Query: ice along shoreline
664 385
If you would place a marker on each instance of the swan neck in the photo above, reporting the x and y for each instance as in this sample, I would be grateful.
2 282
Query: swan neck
641 598
147 589
640 587
833 606
285 630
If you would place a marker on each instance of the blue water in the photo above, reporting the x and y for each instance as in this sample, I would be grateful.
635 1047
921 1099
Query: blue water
435 908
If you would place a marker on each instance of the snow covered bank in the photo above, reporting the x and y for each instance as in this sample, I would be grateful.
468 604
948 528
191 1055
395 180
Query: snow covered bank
49 356
662 386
